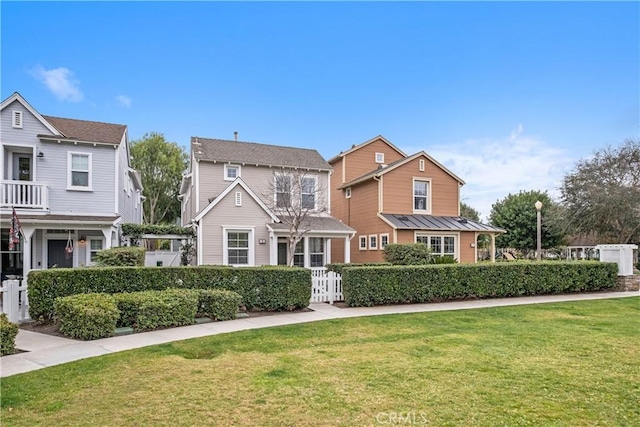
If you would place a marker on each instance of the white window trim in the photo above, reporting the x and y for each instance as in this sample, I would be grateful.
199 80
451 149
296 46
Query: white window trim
379 157
373 238
275 190
225 245
227 166
456 242
380 242
413 195
238 198
70 155
88 244
361 246
323 253
347 193
421 165
17 119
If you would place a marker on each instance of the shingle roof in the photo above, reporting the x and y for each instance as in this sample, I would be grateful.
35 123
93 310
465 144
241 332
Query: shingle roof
84 130
221 150
441 223
317 224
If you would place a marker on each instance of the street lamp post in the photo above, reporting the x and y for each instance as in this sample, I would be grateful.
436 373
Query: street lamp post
539 217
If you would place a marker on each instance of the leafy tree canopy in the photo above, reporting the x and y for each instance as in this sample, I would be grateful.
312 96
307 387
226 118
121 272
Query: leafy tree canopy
517 214
602 194
467 211
161 164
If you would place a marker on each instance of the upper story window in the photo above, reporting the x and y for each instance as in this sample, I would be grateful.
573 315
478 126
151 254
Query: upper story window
79 171
421 196
16 119
308 192
379 157
231 172
283 191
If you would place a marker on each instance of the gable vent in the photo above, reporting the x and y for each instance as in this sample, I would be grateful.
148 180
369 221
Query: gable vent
17 119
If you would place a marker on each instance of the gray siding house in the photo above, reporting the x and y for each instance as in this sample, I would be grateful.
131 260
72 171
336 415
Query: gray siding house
234 196
71 185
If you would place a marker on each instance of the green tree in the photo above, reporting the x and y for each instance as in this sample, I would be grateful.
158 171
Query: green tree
602 194
516 213
467 211
161 164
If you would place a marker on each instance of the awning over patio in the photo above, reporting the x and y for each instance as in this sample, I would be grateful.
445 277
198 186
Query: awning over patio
438 223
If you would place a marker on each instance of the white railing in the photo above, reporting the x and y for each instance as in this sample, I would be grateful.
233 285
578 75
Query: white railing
327 285
14 300
24 194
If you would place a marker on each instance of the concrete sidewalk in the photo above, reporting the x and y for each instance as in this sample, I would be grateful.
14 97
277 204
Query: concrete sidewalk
42 350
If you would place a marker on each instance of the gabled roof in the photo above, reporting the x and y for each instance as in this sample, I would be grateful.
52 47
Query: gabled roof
17 97
437 223
391 166
225 151
230 187
359 146
84 130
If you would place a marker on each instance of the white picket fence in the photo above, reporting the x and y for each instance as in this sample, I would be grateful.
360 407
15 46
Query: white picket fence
14 300
327 286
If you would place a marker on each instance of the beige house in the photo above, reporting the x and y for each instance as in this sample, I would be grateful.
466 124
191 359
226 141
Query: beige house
391 197
236 196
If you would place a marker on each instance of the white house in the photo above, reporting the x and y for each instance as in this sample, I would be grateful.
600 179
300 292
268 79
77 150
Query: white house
71 185
233 195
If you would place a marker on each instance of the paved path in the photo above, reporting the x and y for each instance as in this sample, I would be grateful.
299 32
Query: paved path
46 350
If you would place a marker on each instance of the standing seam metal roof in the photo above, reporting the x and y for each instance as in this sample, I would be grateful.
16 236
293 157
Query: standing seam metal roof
432 222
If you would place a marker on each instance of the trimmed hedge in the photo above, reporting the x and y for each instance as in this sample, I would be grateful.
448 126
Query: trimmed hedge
337 267
163 309
368 286
8 333
219 304
267 288
121 257
87 316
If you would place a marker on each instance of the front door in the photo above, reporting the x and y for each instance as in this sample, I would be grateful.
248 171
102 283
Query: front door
56 255
282 253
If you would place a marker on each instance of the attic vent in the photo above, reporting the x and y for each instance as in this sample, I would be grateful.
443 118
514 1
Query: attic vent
17 119
238 198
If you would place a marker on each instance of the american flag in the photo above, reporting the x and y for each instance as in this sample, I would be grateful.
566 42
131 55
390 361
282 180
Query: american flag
14 230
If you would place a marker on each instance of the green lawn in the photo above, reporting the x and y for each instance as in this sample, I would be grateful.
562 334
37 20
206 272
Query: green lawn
572 364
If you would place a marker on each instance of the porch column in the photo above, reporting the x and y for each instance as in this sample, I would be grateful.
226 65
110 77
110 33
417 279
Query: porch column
307 258
107 232
327 251
347 250
273 248
27 233
493 247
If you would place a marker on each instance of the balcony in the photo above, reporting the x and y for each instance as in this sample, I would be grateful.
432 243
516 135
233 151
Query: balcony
24 195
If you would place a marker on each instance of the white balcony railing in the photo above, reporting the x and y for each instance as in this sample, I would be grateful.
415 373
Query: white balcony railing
24 194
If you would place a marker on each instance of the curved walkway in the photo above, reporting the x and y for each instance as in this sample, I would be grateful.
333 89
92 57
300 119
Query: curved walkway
42 350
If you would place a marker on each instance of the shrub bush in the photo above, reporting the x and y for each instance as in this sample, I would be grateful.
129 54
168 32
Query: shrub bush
267 288
87 316
149 310
414 254
219 304
368 286
121 257
338 267
8 333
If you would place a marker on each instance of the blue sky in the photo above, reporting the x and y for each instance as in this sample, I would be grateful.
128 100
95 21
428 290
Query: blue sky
508 95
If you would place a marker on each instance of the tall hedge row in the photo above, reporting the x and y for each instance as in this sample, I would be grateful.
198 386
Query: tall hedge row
267 288
368 286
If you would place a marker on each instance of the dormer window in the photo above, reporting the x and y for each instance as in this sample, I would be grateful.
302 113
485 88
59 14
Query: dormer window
16 119
231 172
379 157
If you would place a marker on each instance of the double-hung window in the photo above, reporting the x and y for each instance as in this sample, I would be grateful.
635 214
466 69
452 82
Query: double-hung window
283 191
421 196
440 245
298 254
316 252
95 245
79 171
238 247
308 193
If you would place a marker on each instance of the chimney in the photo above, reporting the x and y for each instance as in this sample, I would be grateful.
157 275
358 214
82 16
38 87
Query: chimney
235 136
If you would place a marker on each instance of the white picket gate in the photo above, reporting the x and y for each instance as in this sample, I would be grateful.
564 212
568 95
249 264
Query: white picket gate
14 300
327 286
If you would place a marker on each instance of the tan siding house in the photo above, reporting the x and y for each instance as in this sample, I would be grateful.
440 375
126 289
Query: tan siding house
236 196
389 197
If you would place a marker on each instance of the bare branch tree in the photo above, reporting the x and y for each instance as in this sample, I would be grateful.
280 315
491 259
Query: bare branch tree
295 196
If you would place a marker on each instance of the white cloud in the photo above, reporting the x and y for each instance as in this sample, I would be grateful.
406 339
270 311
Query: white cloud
60 81
493 168
124 100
